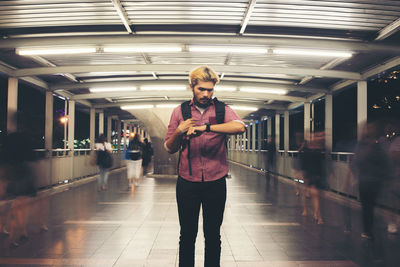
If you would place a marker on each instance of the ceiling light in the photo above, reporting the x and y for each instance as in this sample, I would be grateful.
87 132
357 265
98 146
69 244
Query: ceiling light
263 90
112 89
319 53
246 108
54 51
142 49
222 88
137 107
163 88
167 105
227 49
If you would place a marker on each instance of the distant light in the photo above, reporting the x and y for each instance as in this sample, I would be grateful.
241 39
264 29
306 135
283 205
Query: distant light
301 181
263 90
112 89
54 51
310 52
375 106
137 107
64 119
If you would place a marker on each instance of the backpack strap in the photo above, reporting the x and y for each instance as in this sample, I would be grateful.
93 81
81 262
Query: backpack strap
220 114
186 114
219 111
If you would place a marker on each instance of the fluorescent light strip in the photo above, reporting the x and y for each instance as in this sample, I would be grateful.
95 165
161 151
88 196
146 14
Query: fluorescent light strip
142 49
318 53
245 108
263 90
112 89
222 88
227 49
167 105
54 51
137 107
163 88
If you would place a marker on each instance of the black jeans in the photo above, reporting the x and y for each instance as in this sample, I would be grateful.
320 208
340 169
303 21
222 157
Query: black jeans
212 197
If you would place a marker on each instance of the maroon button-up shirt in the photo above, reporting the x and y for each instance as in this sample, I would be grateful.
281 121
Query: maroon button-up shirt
207 151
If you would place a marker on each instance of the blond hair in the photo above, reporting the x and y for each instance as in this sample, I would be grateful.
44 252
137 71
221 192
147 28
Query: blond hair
203 74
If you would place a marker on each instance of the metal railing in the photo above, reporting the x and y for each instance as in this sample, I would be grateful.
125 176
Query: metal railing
59 165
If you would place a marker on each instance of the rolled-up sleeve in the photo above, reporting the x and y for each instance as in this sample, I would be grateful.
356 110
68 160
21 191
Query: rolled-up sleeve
176 117
230 115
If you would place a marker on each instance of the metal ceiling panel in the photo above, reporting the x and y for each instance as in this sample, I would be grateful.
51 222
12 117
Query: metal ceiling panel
293 22
350 15
56 13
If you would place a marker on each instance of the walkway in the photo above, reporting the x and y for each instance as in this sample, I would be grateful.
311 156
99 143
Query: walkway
262 227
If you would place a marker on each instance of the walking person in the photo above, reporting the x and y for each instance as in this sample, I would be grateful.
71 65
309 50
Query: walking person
134 160
199 127
104 161
372 165
147 154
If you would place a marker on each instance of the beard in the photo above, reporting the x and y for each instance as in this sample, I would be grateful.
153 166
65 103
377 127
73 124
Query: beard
200 105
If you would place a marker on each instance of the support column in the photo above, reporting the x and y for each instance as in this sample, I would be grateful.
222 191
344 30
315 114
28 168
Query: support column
269 127
118 135
260 135
48 126
247 140
101 123
12 105
253 138
312 118
361 107
277 131
328 123
307 121
92 127
71 125
125 139
286 131
109 128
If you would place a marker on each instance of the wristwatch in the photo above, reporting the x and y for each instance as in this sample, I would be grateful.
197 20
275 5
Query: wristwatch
207 127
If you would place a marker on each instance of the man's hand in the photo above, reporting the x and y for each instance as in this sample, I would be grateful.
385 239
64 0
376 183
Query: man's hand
185 125
196 131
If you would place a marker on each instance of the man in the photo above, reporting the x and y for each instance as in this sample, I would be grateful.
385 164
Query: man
202 167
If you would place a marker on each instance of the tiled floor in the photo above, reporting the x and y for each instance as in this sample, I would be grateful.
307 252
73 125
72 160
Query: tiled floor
262 227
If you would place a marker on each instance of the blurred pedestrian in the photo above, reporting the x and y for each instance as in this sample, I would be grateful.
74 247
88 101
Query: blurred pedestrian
104 161
312 163
371 164
147 155
21 186
134 160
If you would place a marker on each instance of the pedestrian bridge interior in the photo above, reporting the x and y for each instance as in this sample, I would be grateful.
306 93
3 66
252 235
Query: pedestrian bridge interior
126 63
